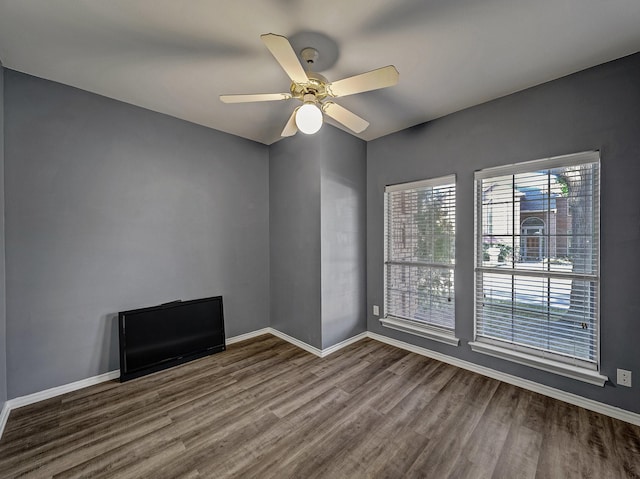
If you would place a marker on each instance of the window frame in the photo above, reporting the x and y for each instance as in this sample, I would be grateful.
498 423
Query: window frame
515 352
433 332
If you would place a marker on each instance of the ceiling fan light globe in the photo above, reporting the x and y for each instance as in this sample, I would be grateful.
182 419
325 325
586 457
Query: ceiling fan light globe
309 118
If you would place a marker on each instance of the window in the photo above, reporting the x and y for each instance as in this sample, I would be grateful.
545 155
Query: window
537 268
420 258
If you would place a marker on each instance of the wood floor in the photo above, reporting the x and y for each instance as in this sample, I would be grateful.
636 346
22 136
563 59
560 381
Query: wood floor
266 409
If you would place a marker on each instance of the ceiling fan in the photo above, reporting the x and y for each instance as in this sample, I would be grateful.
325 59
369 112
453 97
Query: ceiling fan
315 91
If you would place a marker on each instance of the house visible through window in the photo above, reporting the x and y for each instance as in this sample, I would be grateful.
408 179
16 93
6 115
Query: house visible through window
537 266
420 258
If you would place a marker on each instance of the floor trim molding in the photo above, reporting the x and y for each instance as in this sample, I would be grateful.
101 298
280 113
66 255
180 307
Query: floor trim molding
342 344
20 401
4 416
321 353
249 335
296 342
590 404
607 410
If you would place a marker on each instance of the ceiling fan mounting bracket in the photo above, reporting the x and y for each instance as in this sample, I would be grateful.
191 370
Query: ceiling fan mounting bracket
309 55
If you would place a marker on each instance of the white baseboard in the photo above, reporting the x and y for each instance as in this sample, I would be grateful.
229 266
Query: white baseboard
296 342
20 401
570 398
607 410
244 337
342 344
4 415
321 353
15 403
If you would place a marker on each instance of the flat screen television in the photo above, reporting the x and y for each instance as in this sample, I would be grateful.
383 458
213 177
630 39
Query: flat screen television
159 337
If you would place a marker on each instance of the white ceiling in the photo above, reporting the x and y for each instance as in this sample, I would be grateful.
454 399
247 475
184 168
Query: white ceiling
176 57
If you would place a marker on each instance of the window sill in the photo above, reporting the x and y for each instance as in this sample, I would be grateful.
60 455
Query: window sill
567 370
420 330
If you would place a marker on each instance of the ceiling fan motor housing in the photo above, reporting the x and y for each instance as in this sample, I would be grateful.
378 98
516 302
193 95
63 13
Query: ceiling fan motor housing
317 85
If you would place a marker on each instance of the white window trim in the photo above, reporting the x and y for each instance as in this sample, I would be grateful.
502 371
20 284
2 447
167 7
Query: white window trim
478 345
556 367
404 325
422 330
431 183
543 164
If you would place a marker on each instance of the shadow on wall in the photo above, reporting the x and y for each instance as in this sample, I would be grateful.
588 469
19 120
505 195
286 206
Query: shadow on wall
109 353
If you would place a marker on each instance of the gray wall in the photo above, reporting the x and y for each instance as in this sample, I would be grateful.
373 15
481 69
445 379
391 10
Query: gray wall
593 109
111 207
3 317
317 227
294 227
343 235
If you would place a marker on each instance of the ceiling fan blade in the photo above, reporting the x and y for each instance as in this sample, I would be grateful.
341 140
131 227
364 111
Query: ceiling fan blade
344 116
254 97
283 52
373 80
290 128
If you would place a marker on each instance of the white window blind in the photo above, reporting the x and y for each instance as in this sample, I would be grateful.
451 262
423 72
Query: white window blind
420 252
537 258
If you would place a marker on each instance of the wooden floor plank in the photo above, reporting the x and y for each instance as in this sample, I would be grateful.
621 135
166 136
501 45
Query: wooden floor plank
521 451
265 408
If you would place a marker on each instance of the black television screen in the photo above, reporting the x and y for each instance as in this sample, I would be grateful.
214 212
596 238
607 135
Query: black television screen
162 336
